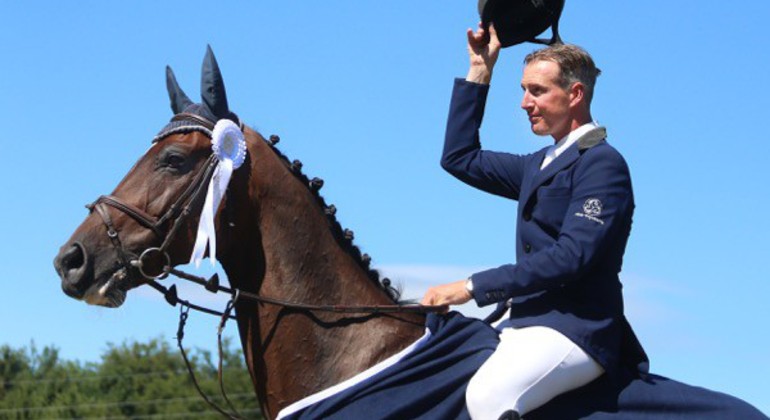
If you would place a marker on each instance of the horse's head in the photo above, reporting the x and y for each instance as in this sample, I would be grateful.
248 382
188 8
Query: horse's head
150 219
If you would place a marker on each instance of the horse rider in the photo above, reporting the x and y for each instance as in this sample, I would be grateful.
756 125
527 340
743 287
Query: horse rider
566 326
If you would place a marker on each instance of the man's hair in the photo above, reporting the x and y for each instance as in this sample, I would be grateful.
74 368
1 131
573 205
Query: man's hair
575 63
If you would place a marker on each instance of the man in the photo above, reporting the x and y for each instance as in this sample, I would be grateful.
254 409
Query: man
566 325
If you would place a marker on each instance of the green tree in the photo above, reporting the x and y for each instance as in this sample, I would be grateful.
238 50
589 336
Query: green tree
132 380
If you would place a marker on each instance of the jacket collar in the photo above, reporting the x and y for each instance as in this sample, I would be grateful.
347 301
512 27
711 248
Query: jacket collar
586 141
565 142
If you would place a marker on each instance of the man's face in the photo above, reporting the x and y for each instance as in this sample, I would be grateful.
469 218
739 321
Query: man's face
546 102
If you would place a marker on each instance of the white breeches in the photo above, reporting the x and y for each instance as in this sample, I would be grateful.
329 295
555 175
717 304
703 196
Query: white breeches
530 366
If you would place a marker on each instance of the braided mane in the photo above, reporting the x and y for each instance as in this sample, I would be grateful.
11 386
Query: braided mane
344 237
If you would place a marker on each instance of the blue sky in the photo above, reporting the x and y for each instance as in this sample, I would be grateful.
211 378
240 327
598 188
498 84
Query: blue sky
359 92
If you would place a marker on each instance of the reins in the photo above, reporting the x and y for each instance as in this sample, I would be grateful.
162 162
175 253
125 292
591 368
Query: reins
212 285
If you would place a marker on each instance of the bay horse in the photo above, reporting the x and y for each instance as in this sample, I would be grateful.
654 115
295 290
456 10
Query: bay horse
280 243
275 237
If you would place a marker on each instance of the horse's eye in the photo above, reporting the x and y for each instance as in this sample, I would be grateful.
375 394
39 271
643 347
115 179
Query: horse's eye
173 160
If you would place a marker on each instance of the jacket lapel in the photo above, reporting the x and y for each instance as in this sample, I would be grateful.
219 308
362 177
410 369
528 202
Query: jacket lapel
531 172
538 177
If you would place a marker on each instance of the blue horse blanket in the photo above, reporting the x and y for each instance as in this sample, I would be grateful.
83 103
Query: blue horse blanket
428 381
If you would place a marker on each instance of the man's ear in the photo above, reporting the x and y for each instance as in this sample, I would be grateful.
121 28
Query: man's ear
577 94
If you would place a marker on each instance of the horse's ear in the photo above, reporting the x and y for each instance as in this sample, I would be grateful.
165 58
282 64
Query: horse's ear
179 101
213 87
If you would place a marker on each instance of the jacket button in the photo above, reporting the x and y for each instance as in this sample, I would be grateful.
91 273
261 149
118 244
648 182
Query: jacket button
527 248
527 216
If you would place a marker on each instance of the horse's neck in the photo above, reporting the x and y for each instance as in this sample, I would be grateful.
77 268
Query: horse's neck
292 353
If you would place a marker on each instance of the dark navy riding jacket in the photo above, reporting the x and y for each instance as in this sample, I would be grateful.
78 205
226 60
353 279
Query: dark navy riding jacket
573 222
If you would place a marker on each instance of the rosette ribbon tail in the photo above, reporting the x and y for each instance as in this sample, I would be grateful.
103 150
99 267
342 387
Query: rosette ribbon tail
229 146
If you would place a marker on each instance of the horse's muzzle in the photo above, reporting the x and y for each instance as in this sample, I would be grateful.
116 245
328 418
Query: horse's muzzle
75 270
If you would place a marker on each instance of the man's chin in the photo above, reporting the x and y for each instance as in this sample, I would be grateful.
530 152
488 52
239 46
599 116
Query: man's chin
540 130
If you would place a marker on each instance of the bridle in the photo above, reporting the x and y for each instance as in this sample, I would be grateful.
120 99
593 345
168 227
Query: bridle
177 214
154 263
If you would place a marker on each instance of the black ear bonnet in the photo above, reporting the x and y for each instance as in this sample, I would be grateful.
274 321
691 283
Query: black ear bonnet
213 106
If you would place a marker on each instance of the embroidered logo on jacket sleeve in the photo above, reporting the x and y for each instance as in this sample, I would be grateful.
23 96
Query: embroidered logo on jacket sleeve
592 209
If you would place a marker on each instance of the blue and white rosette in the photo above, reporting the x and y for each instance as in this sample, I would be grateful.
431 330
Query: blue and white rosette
229 147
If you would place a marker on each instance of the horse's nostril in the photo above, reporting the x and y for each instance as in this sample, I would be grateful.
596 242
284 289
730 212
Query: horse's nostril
73 258
72 267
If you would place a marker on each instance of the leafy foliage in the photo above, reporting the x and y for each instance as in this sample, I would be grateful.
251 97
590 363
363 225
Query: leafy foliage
133 380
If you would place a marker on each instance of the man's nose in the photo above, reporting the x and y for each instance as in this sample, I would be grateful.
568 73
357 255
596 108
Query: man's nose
526 102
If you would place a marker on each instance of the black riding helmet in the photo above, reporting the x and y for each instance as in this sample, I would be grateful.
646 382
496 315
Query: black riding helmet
520 21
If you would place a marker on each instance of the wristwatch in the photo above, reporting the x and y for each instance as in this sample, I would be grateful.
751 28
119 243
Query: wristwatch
469 285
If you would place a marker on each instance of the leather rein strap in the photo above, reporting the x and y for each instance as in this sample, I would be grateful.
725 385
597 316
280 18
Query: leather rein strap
212 285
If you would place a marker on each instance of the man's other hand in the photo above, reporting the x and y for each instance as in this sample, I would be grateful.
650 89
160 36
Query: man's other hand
447 294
